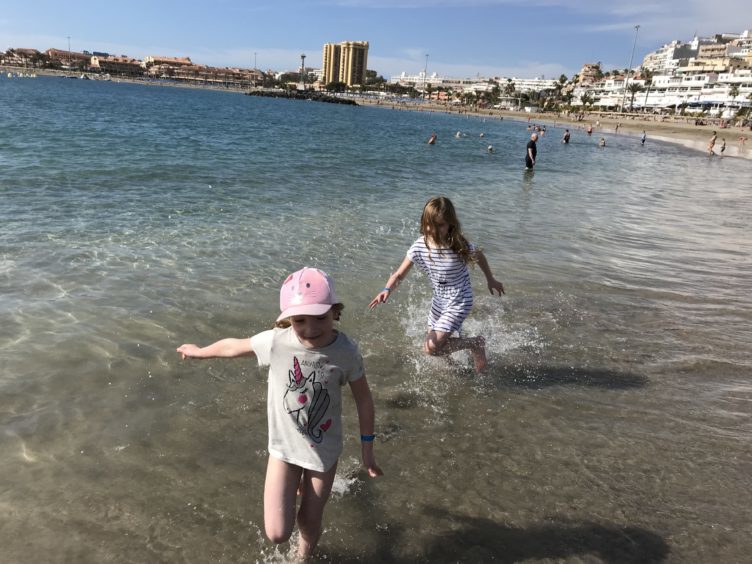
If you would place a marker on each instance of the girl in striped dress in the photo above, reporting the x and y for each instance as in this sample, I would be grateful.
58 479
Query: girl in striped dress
443 253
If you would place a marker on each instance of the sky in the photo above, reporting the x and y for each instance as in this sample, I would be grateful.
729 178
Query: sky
452 38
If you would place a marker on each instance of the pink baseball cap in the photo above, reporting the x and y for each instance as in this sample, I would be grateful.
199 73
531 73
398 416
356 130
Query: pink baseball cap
309 291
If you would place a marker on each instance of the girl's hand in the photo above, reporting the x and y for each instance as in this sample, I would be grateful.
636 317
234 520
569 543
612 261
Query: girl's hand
188 351
494 284
380 298
370 462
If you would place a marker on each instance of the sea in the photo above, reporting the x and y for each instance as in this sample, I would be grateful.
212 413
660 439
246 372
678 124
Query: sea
613 423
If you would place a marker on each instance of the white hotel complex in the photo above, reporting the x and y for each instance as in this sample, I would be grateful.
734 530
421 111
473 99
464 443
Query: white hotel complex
421 81
705 73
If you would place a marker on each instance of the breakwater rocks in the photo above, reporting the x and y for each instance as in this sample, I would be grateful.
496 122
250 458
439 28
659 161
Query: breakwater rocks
307 95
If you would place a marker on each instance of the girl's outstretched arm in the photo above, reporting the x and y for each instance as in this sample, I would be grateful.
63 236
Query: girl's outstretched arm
226 348
366 416
392 283
493 284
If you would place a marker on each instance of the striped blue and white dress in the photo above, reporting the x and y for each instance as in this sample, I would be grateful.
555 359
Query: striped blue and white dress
450 278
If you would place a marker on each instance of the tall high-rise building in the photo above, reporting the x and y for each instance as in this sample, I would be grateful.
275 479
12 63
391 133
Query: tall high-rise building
345 62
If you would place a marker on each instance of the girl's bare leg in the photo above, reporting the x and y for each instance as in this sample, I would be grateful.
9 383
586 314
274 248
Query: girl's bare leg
439 343
316 489
282 480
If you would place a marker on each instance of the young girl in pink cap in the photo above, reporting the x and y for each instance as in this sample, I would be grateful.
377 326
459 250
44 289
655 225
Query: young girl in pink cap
443 253
309 363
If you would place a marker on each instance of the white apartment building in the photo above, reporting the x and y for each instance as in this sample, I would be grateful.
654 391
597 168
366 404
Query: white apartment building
666 59
744 42
528 84
697 91
422 81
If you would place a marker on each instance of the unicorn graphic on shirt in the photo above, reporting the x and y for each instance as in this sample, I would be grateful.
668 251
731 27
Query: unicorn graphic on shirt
308 402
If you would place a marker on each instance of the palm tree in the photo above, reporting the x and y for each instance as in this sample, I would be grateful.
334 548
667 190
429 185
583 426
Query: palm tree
647 75
495 93
633 89
586 99
733 92
429 90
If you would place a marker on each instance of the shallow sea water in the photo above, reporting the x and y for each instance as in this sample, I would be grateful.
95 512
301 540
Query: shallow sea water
613 424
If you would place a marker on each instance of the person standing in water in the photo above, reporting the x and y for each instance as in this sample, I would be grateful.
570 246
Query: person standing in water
309 364
566 137
711 144
531 151
443 253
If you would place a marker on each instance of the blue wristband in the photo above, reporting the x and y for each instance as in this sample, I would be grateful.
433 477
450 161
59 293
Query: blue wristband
386 289
367 438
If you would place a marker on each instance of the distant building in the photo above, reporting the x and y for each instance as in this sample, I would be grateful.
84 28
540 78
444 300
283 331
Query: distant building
744 42
117 65
68 59
345 62
717 51
21 57
530 84
670 56
590 73
172 61
717 65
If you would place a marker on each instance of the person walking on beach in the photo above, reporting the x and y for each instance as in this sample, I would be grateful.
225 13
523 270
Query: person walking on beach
566 137
531 151
309 362
443 253
643 137
711 144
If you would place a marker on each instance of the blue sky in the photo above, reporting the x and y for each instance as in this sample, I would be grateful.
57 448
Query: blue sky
462 38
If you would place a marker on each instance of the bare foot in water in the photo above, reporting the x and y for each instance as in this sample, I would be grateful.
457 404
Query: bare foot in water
479 355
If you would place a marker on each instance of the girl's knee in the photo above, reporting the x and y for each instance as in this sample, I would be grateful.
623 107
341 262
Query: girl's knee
277 534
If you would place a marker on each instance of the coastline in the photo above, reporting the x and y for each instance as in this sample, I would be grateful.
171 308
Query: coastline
679 130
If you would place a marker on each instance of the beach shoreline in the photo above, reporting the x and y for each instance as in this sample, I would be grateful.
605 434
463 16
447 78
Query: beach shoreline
680 130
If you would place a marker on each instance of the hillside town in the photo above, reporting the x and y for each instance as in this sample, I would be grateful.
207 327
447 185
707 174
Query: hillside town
705 76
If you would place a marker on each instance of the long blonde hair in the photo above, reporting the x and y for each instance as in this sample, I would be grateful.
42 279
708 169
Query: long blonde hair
441 208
